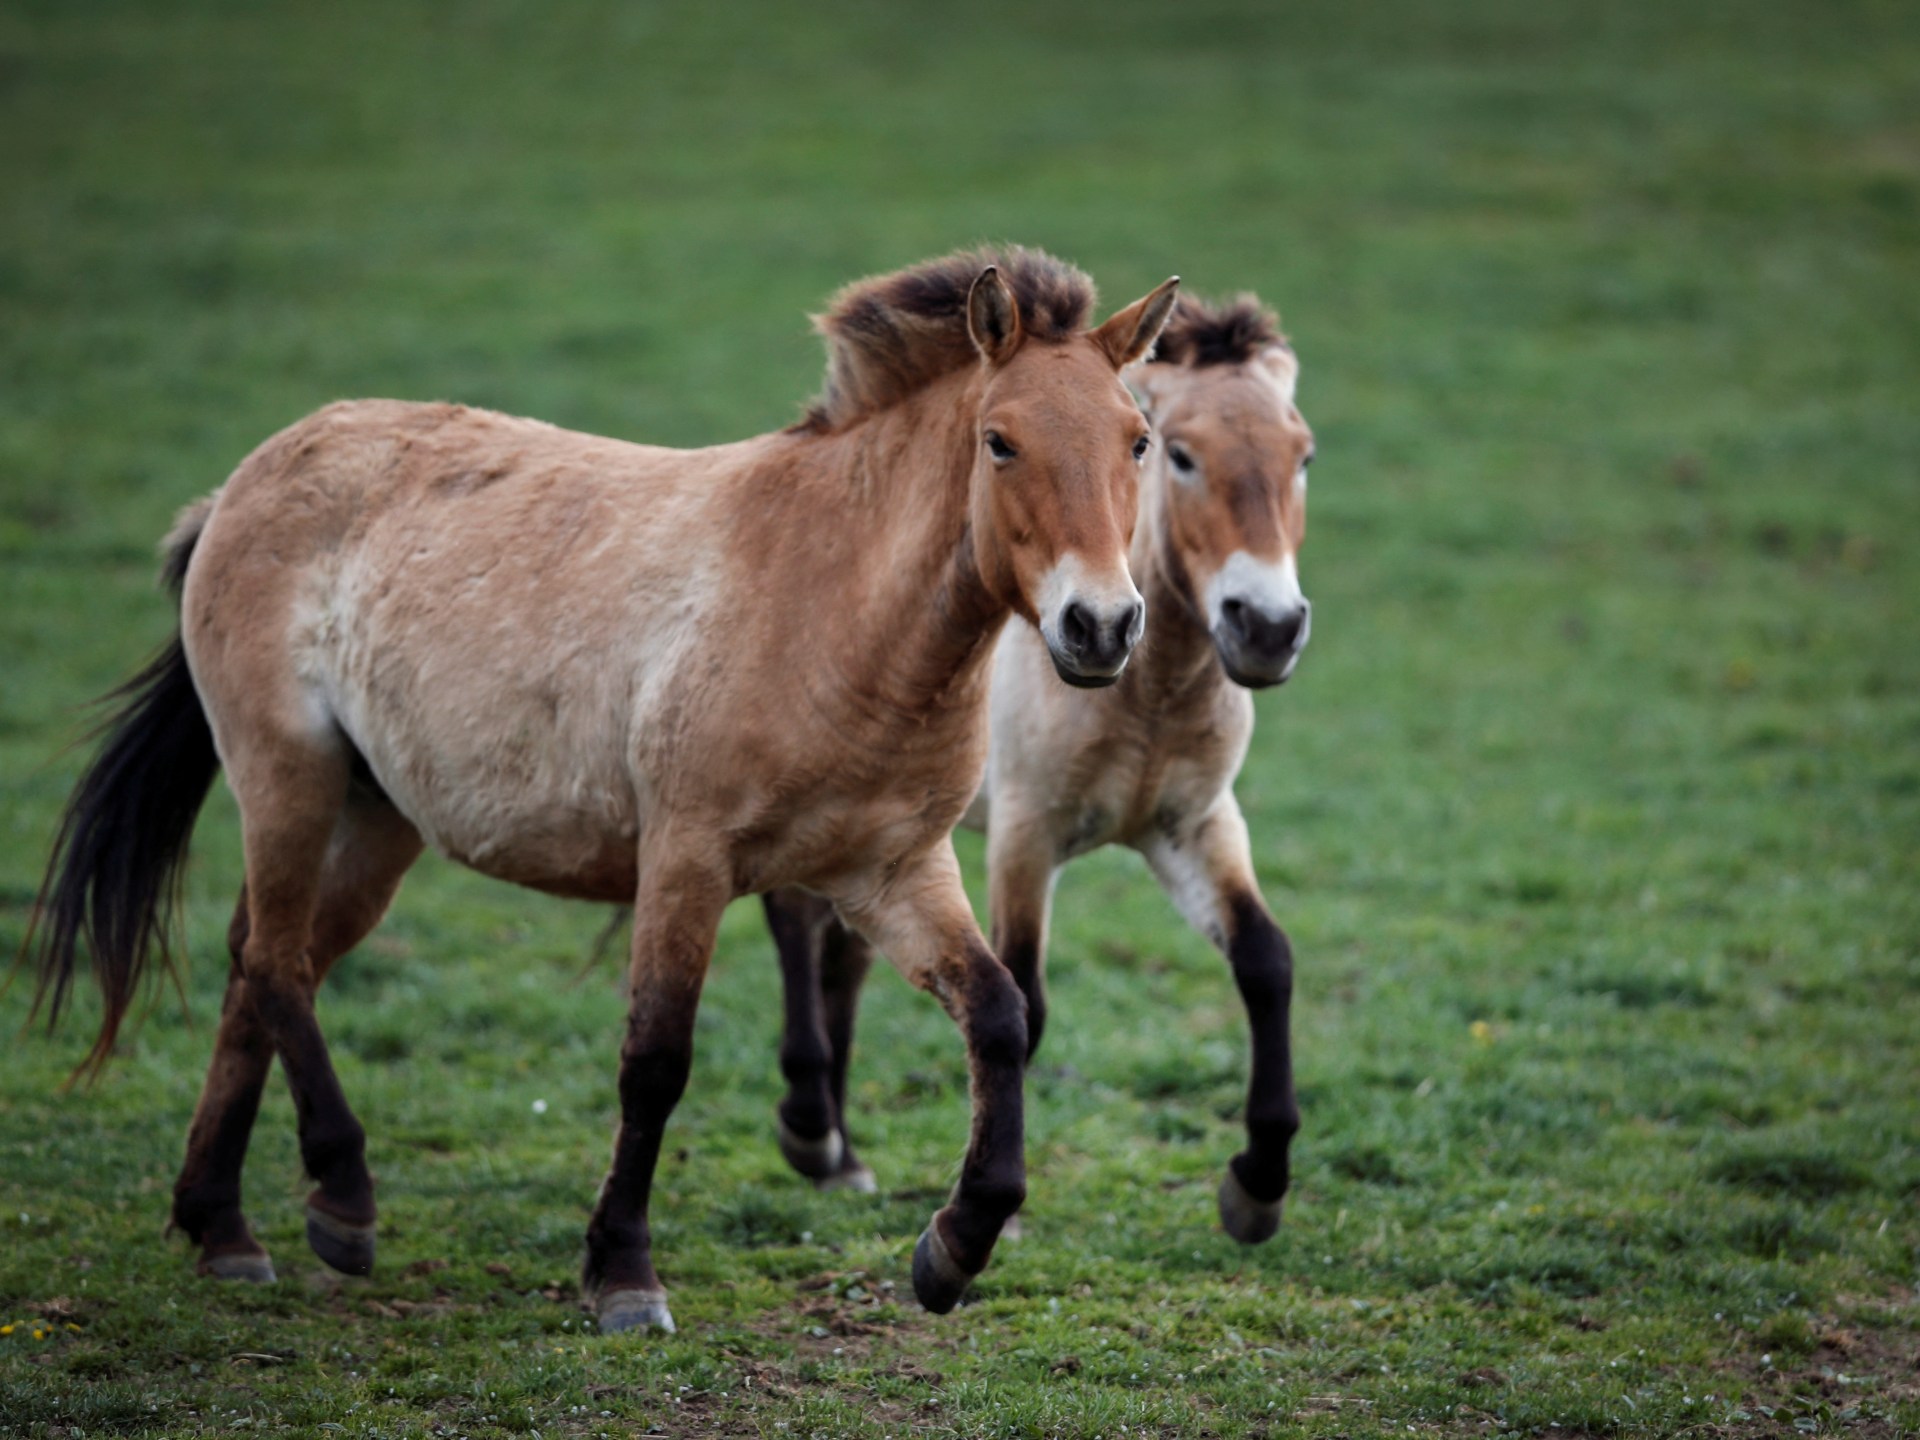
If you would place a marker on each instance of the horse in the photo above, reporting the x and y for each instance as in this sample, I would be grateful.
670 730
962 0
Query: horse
1148 763
579 664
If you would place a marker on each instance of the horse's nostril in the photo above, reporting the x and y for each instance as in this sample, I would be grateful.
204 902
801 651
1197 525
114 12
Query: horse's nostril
1076 626
1133 623
1287 632
1234 612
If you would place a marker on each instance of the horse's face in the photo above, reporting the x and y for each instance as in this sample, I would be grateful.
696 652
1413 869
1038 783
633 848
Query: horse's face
1231 461
1056 480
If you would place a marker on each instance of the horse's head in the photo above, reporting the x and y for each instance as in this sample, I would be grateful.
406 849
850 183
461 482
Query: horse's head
1229 474
1055 488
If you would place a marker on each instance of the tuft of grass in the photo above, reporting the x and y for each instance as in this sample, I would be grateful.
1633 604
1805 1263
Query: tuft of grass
1787 1332
1805 1174
1781 1233
754 1218
1638 990
1368 1164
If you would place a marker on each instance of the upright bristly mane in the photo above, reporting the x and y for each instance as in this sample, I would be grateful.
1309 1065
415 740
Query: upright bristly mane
894 334
1230 333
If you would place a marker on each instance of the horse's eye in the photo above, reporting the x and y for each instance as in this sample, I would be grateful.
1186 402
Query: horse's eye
998 447
1140 448
1182 458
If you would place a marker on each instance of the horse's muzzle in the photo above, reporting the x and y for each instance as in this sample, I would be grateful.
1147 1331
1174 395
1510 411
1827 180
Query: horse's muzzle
1257 649
1090 648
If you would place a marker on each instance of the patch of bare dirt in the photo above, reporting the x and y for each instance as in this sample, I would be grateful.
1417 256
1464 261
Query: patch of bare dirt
1849 1379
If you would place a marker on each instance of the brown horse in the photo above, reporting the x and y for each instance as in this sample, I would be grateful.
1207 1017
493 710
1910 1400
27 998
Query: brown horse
1149 763
621 672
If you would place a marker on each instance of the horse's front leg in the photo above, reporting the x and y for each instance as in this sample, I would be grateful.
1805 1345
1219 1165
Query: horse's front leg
1020 868
675 918
1206 868
921 921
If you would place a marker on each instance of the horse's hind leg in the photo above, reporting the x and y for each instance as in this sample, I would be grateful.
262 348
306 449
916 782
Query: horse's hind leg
206 1197
1206 868
845 959
371 850
822 966
809 1138
292 783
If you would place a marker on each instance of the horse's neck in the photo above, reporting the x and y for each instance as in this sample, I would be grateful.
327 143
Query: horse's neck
1176 657
924 632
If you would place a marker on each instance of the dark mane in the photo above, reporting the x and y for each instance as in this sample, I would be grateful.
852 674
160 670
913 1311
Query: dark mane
1230 333
894 334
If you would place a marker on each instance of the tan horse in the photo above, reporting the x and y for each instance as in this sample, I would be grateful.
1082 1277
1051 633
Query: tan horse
1148 764
624 673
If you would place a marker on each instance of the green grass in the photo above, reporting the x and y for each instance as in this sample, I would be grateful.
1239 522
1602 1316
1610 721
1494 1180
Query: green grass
1594 812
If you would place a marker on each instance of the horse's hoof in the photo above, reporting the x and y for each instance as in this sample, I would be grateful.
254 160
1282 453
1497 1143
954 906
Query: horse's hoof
938 1280
1250 1221
858 1179
347 1248
634 1310
818 1159
252 1266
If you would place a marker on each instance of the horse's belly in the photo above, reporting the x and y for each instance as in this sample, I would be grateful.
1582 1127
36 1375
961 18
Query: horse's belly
519 808
522 775
548 842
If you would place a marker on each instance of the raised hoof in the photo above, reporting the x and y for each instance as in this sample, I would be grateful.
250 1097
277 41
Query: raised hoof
1250 1221
858 1180
346 1248
938 1280
252 1266
634 1310
818 1159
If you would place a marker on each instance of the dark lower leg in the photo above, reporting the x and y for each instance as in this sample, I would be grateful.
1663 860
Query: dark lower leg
808 1112
993 1184
1020 864
1020 948
654 1062
1263 969
845 959
206 1197
332 1143
675 917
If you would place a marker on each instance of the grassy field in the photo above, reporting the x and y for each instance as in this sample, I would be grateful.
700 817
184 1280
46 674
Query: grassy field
1594 811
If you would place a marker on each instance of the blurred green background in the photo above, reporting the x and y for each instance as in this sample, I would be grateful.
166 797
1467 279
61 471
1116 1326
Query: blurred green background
1594 810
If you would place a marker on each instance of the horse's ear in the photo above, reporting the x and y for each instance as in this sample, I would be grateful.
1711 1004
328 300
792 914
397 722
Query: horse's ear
1131 332
993 318
1283 365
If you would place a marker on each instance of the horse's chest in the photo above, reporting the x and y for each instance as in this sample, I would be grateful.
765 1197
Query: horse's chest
864 805
1120 804
1139 781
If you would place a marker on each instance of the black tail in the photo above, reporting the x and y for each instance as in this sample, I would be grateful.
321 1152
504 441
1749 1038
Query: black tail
114 877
